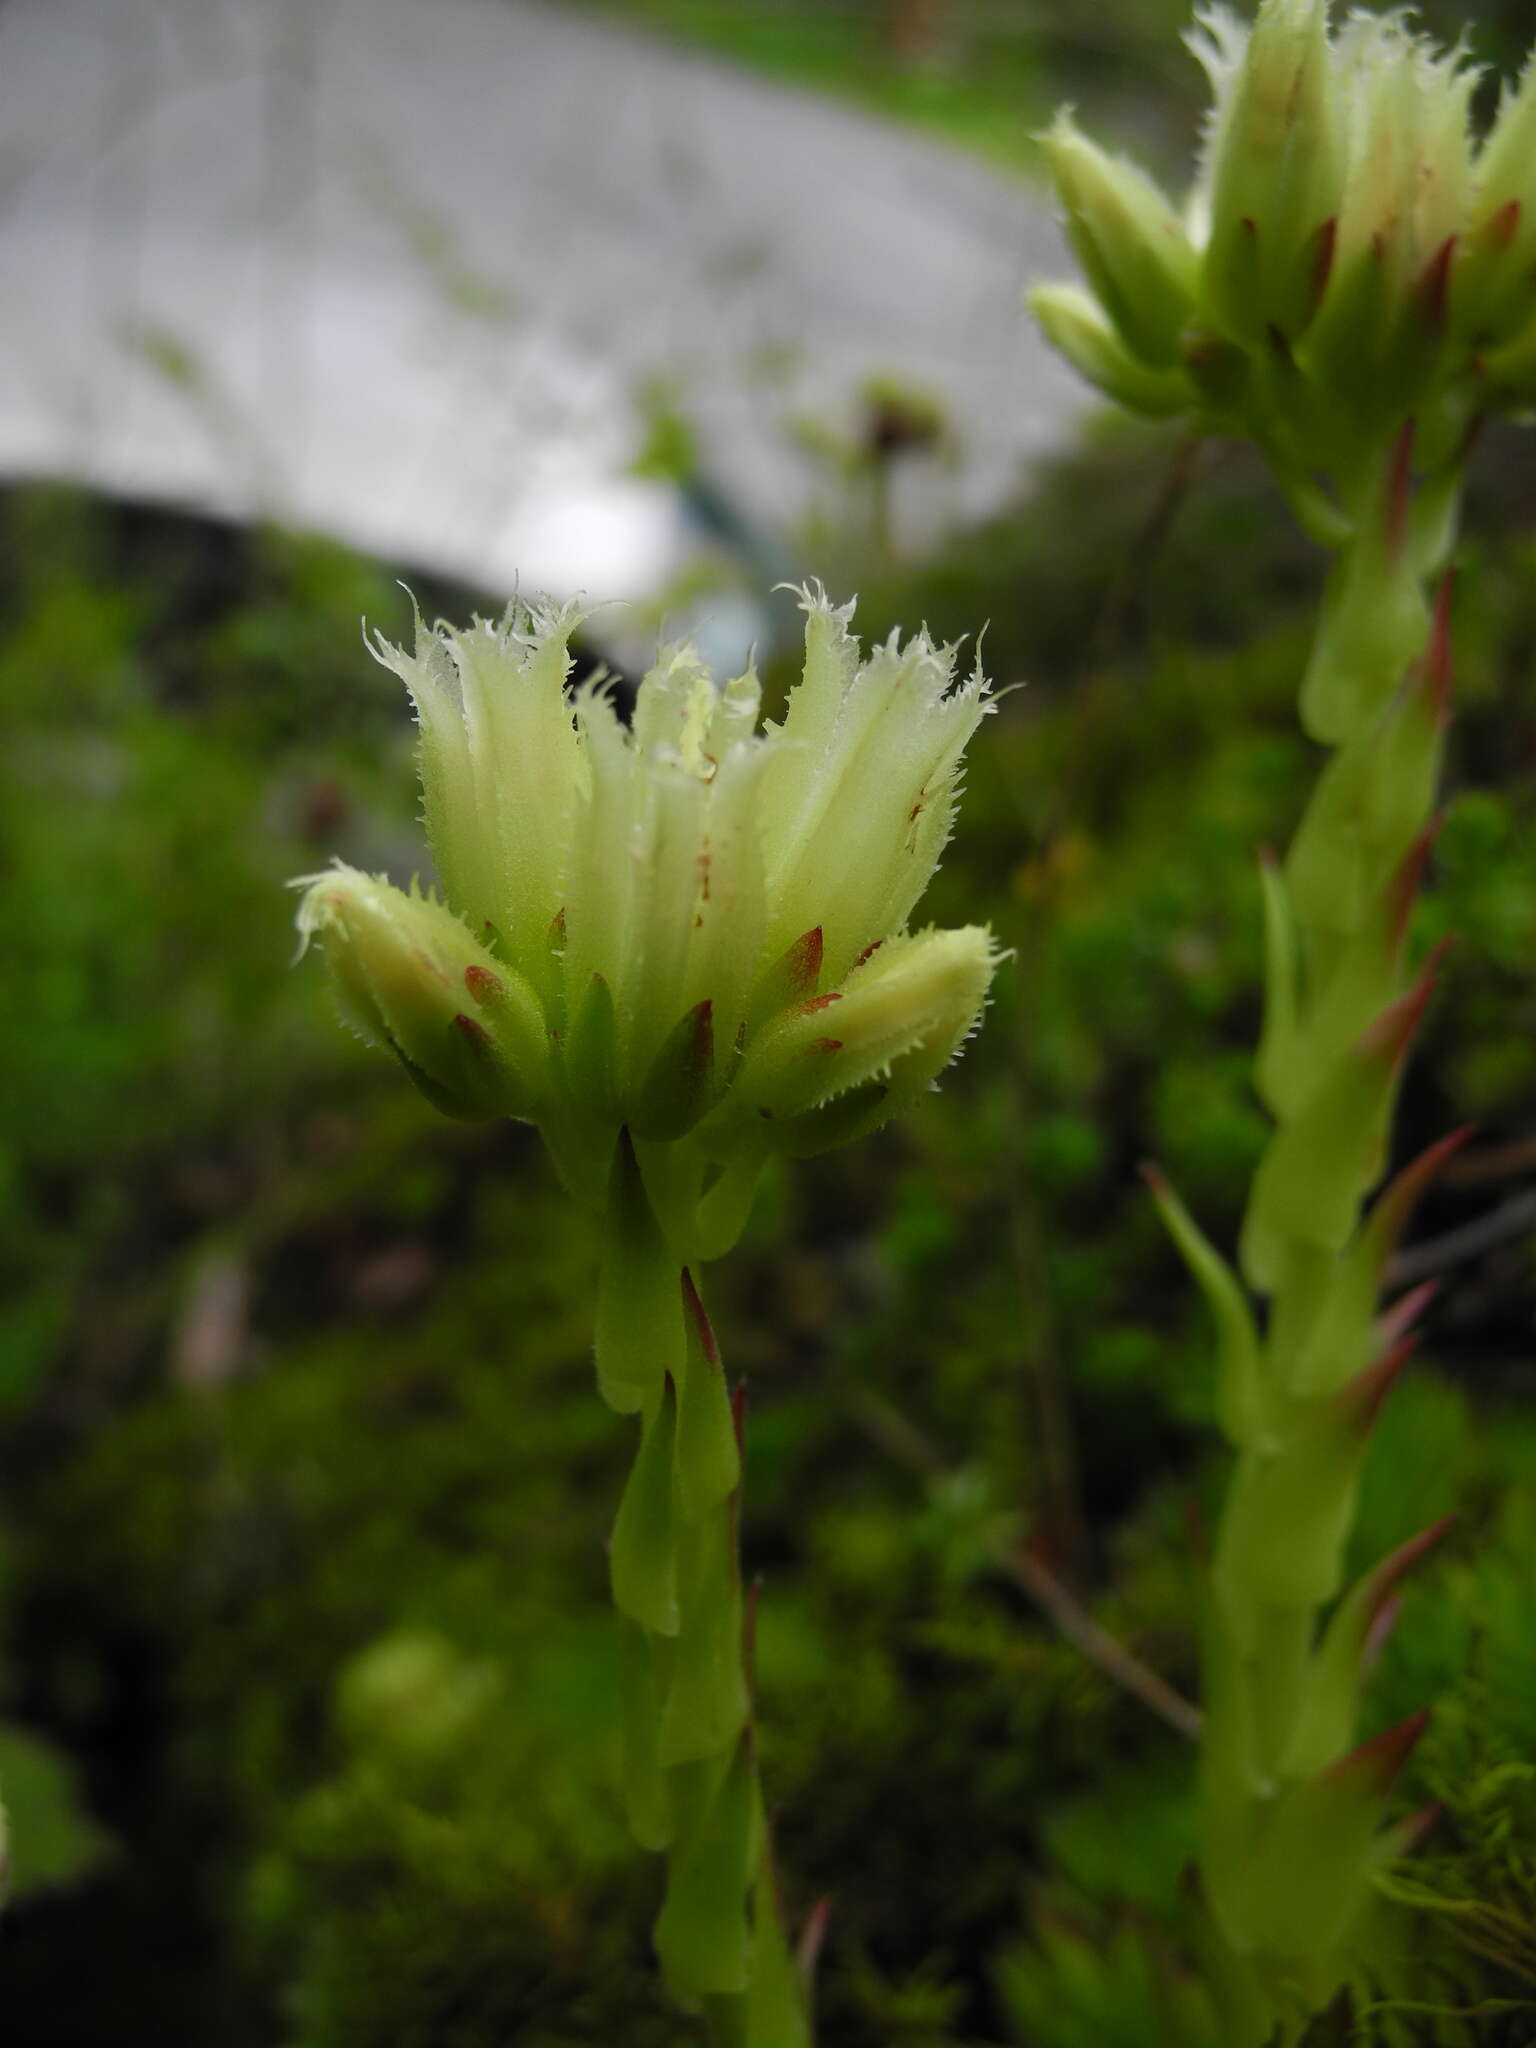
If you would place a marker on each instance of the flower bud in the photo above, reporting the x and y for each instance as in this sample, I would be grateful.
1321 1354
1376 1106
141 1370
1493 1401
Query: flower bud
1494 295
1402 215
1128 239
1073 322
408 977
1273 165
899 1018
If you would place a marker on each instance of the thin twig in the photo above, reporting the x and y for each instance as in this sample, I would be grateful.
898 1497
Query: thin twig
1493 1162
1418 1261
1077 1626
1126 592
898 1435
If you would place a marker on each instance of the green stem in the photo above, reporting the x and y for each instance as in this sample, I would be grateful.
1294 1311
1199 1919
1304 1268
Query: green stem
1289 1814
691 1773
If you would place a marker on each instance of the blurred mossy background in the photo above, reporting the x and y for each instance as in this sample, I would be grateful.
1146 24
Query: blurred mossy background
306 1666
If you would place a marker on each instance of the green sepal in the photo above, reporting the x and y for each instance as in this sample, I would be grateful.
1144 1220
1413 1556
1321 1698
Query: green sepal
543 962
591 1051
1414 348
639 1323
838 1122
644 1664
1240 1403
1318 512
1358 346
1221 372
726 1203
507 1004
642 1553
1232 279
1302 284
708 1457
671 1175
702 1936
466 1101
1074 324
1434 518
707 1704
794 978
1288 416
680 1085
581 1153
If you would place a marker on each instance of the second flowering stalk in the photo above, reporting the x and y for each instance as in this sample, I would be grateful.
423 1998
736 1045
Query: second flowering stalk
1351 287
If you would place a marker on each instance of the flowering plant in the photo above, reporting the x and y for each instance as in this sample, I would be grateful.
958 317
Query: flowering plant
1351 286
678 946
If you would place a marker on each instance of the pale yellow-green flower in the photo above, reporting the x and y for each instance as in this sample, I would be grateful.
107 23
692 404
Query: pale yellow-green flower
680 923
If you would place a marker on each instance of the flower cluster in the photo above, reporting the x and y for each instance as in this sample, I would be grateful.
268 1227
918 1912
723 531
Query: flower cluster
1348 255
678 924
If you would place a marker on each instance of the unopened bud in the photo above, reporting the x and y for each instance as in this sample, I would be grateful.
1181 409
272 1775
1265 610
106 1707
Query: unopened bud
899 1018
1494 290
409 977
1128 239
1275 166
1402 216
1073 322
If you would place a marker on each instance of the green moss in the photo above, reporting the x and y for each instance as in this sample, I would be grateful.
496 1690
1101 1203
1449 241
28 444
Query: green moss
306 1480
